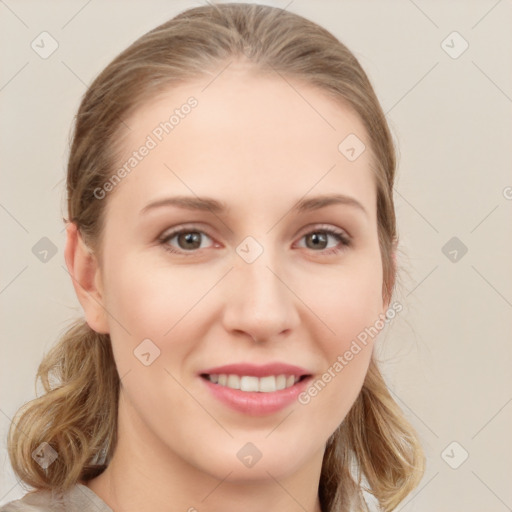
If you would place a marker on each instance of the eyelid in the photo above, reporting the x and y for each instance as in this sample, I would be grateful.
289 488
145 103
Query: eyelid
183 227
324 227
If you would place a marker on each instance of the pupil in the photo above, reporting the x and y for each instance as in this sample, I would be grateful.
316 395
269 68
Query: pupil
191 238
318 237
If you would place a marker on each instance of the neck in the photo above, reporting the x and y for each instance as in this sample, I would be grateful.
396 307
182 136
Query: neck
148 477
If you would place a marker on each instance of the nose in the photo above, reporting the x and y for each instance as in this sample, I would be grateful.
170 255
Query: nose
261 303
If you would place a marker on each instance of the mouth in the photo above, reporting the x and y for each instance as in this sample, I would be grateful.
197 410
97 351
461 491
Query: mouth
256 390
251 383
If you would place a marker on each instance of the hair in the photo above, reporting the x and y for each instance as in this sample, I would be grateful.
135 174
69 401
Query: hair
374 449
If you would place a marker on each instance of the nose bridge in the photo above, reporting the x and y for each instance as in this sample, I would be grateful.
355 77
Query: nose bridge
260 304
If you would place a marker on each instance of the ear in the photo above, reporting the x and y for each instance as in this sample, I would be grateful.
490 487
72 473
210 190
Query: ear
86 276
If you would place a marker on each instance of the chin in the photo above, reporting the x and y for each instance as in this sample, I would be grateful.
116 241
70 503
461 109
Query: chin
246 461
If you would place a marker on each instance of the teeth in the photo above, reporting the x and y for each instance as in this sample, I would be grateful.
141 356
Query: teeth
249 383
233 382
266 384
280 382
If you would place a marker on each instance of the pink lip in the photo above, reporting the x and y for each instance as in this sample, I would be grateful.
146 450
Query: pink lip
257 403
257 371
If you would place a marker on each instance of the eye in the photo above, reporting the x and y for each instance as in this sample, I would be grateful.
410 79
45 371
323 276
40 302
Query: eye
188 240
318 240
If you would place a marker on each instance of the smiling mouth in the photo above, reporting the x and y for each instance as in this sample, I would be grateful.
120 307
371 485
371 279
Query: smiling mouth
250 383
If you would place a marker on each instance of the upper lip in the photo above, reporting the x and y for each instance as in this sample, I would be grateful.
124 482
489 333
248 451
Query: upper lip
257 371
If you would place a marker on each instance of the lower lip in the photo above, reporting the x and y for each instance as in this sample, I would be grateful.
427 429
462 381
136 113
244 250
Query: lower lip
256 403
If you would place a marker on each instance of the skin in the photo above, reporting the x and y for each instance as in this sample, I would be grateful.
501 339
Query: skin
256 144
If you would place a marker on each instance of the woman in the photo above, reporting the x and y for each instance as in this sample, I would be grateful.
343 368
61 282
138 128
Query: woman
231 238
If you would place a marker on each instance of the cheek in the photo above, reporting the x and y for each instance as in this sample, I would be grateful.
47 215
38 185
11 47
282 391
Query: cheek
351 307
166 304
152 297
152 302
347 301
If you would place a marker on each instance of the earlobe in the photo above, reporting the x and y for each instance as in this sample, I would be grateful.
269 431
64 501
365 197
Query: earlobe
85 273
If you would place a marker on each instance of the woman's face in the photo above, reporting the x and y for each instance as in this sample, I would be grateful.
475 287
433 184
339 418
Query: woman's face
268 264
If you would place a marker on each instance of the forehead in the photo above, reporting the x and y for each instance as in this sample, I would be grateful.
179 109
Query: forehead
245 138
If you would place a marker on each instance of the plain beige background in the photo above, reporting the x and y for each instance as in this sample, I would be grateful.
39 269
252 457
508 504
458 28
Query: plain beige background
447 356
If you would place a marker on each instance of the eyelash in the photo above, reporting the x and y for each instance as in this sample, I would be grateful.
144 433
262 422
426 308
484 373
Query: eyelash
342 237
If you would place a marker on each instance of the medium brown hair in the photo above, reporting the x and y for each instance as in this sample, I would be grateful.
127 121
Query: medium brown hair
77 416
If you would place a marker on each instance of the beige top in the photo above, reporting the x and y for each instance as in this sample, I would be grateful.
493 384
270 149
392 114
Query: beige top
78 499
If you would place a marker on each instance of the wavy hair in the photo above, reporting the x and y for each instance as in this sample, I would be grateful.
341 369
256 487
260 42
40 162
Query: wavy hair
374 448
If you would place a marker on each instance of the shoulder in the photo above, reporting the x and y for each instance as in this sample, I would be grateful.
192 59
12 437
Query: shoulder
36 501
77 499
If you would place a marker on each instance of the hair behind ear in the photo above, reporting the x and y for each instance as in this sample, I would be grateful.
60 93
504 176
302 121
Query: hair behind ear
77 415
376 438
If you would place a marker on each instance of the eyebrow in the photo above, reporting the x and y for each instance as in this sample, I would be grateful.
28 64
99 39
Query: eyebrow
215 206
